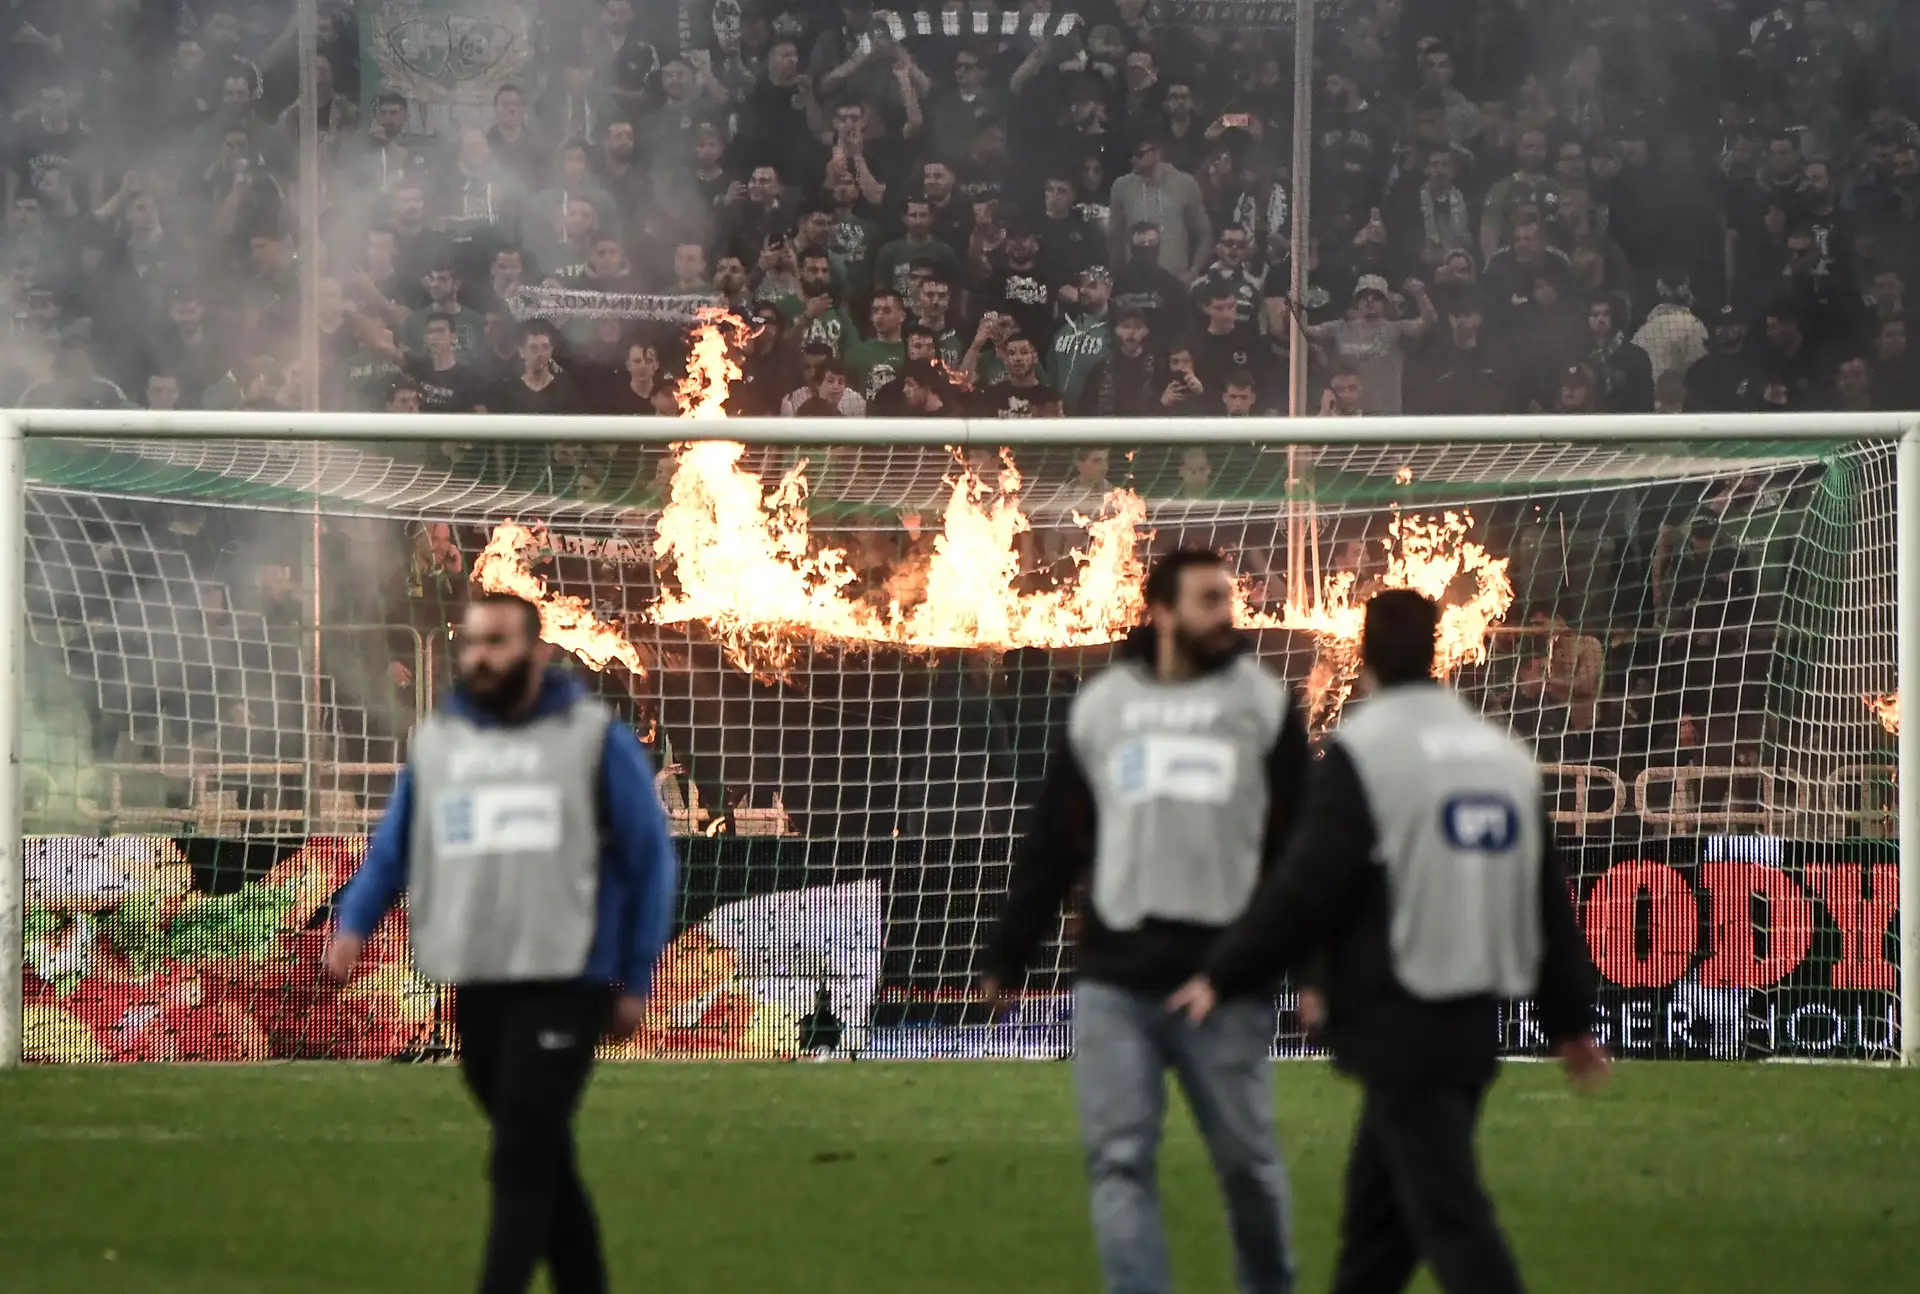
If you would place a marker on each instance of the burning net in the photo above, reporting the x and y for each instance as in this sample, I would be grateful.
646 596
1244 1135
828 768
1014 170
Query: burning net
740 560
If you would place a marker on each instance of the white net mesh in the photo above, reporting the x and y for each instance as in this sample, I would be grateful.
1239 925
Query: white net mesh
851 673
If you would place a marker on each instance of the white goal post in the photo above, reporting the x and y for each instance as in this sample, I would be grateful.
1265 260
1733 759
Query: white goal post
18 426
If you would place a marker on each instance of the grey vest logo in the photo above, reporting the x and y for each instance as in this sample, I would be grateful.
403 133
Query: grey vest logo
1484 824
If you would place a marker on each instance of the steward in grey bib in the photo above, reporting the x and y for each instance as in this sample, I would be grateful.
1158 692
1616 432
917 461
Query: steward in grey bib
1172 798
530 850
1423 872
506 847
541 883
1174 787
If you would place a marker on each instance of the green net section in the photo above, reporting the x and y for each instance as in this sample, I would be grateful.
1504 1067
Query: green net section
1697 639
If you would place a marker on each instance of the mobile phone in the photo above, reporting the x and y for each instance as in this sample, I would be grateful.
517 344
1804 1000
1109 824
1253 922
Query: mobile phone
1239 120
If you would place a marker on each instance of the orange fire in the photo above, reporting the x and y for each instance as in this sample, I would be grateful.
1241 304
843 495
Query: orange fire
744 564
1433 556
711 367
566 621
746 567
1887 710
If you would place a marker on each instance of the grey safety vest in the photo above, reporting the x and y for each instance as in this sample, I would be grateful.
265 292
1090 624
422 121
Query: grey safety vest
504 847
1456 807
1178 772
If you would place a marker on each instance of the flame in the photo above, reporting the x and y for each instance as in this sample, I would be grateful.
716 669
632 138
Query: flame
1430 555
747 568
711 368
566 621
956 378
1887 710
745 564
1404 476
743 559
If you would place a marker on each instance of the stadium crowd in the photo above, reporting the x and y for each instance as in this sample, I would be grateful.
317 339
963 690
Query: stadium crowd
1517 204
1069 209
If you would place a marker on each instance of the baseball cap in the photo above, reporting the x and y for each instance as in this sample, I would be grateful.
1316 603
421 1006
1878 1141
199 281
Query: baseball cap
1370 283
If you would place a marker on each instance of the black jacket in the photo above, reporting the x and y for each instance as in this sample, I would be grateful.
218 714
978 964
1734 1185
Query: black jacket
1125 386
1057 852
1327 903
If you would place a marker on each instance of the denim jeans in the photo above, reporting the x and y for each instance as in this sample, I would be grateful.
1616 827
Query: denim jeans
1124 1042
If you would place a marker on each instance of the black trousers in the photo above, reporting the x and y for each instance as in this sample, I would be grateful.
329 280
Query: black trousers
1414 1194
526 1051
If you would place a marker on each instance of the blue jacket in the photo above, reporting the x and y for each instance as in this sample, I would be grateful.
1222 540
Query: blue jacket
639 872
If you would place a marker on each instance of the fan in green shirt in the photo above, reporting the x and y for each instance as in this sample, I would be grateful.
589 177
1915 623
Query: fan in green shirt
815 233
931 307
853 236
371 371
443 298
879 361
893 267
1084 338
814 313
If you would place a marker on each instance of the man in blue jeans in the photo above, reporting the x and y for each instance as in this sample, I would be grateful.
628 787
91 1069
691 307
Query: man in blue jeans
1174 788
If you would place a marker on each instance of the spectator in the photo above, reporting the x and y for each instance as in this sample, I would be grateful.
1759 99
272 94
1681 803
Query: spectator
1143 283
1471 378
540 386
1623 374
443 382
1374 345
1529 186
1566 674
1130 382
74 384
1084 337
1021 393
1724 381
643 382
1786 356
827 388
1240 394
879 359
893 266
1225 345
404 396
1515 273
1013 284
511 143
1232 270
1435 219
163 392
1672 336
1160 195
1576 391
919 392
1345 396
1757 158
1895 384
1853 386
442 285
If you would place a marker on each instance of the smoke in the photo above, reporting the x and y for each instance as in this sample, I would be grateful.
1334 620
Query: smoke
58 774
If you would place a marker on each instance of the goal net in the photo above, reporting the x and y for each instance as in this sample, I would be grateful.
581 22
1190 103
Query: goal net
850 663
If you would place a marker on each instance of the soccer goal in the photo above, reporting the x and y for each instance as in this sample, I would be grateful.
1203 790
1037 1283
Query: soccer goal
850 645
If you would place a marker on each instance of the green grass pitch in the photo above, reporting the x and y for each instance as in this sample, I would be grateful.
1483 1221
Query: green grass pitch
914 1179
